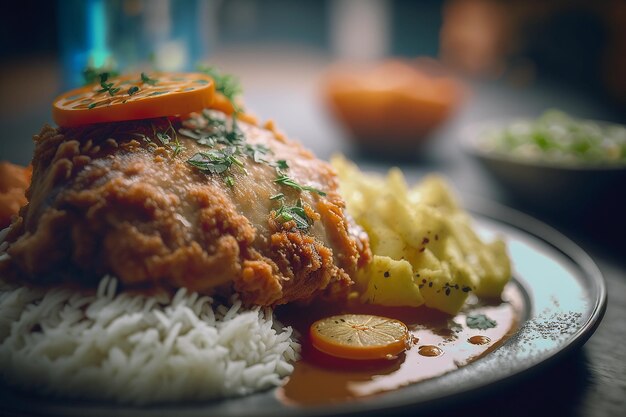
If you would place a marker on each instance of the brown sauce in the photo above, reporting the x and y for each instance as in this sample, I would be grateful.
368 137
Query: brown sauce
479 340
430 350
440 344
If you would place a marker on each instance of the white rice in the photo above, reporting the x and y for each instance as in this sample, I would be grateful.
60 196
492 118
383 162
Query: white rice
139 349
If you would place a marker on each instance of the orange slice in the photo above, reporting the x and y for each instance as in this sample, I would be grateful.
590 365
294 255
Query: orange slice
133 97
359 336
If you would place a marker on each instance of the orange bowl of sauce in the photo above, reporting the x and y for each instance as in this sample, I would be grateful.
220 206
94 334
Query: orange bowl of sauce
393 105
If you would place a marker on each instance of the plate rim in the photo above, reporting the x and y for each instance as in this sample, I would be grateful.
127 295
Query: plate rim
526 224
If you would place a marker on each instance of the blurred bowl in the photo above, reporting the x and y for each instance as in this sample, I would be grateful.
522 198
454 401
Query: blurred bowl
391 106
556 187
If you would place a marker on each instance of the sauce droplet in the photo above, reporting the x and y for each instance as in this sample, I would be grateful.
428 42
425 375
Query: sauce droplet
479 340
430 350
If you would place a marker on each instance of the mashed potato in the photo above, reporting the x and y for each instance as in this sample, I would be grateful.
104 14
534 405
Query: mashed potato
425 249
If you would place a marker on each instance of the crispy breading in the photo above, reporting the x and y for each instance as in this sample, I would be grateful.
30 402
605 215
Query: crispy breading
106 199
14 180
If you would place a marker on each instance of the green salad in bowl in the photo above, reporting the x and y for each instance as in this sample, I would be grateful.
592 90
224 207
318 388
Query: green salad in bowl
555 161
557 138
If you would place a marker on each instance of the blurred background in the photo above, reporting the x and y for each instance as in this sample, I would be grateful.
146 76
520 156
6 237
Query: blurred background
387 82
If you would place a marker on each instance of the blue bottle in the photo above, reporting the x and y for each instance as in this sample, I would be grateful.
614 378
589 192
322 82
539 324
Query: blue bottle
131 35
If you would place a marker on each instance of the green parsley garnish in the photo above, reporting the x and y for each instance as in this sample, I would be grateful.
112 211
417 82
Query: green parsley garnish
203 138
133 90
288 213
92 75
256 152
281 164
480 321
174 145
107 87
215 132
226 84
234 135
147 80
284 179
177 149
216 161
165 138
557 138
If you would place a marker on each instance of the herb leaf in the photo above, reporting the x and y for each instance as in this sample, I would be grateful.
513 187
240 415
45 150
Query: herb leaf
234 135
204 163
226 84
215 161
91 75
256 152
107 87
480 321
281 164
165 138
234 141
284 179
203 138
288 213
147 80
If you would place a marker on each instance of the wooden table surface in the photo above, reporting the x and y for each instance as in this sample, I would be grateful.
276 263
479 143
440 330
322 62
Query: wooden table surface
590 381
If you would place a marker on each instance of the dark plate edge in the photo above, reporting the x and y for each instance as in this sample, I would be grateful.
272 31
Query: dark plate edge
525 224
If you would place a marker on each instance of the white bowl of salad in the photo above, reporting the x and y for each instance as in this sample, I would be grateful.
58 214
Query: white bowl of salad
555 161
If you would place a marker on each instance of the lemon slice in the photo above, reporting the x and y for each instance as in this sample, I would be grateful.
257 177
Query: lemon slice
359 336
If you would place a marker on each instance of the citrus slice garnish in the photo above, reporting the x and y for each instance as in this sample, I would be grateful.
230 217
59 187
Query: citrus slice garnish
133 97
359 336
